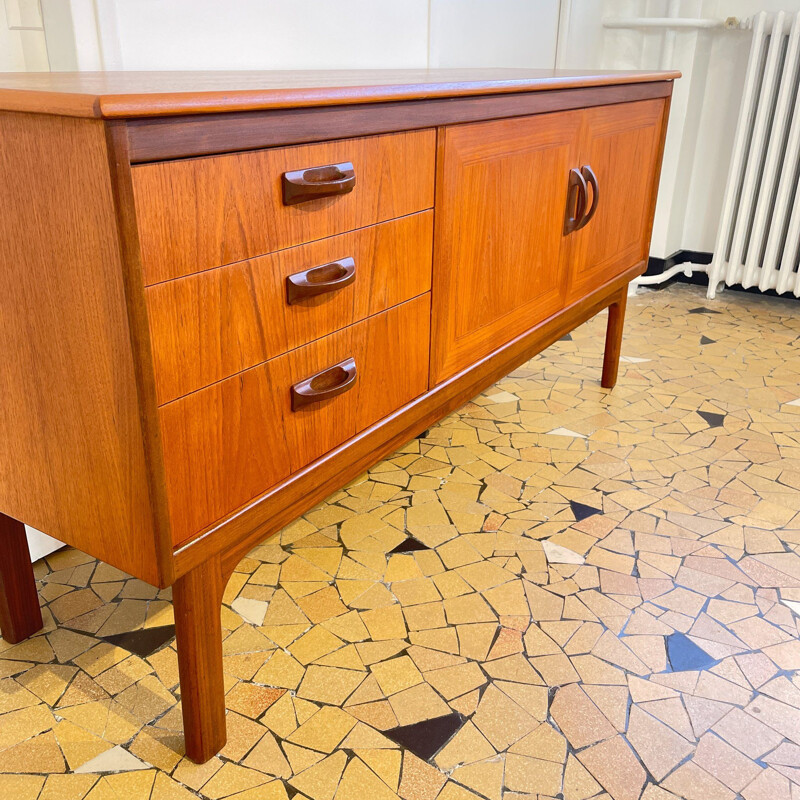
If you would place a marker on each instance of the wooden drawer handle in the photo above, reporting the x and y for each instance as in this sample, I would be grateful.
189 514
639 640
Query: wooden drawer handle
320 280
314 182
591 178
326 384
576 198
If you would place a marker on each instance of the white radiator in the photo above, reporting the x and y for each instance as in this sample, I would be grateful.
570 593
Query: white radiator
758 241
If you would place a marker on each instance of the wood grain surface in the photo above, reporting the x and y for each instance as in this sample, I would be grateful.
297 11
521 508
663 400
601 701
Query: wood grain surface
20 614
500 200
206 327
228 443
613 349
144 94
72 461
206 212
197 599
161 138
621 143
139 331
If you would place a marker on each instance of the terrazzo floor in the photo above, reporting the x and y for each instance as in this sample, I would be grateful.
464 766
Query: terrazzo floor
557 592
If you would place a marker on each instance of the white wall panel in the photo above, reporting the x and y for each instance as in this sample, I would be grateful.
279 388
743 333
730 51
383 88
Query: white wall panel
300 34
493 33
265 34
23 14
22 45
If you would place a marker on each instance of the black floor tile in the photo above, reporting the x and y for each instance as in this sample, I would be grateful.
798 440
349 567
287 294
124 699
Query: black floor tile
409 545
582 511
426 739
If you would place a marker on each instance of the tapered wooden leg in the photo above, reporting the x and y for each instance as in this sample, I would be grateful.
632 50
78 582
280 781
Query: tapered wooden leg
616 322
197 597
20 615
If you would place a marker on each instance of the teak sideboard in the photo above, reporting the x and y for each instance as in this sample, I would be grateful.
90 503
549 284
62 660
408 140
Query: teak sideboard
225 295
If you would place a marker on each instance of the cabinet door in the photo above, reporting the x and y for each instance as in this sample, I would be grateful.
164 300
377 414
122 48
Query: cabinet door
499 228
622 146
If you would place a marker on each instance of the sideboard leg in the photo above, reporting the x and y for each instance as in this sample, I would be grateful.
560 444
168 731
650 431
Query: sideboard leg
197 598
616 322
20 615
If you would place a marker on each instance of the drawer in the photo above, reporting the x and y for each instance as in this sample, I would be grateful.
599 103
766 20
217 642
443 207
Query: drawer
228 443
208 326
205 212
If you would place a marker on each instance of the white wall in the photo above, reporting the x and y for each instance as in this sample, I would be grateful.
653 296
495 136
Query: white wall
498 33
299 34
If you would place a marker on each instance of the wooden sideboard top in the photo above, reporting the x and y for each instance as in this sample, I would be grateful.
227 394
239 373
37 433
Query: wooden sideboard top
158 94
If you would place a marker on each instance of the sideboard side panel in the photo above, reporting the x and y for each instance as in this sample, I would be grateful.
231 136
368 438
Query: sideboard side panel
72 460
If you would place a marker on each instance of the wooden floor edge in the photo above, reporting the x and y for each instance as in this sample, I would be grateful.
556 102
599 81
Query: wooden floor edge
236 536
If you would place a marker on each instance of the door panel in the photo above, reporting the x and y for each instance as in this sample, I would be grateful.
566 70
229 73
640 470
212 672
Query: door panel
501 196
621 144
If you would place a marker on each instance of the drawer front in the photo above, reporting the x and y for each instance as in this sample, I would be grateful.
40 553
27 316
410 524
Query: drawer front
208 326
206 212
230 442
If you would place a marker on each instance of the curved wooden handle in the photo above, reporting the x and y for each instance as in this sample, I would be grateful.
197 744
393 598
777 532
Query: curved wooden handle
588 174
326 384
576 198
314 182
320 280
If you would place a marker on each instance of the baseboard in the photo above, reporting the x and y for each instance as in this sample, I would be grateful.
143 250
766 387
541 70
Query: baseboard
655 266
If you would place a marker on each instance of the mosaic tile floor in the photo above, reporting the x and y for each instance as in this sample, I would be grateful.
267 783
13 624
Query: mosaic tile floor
558 592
